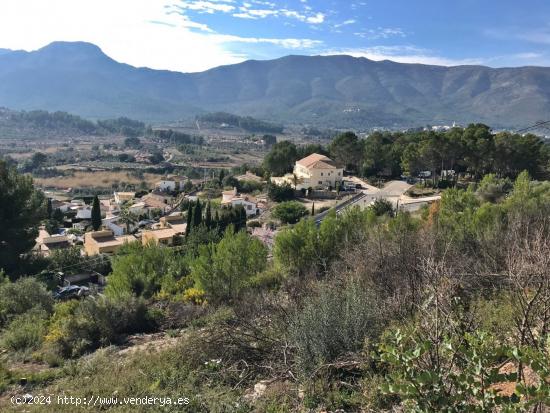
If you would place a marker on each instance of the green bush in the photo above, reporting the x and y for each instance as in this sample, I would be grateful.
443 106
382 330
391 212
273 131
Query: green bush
20 296
289 212
79 327
334 322
26 331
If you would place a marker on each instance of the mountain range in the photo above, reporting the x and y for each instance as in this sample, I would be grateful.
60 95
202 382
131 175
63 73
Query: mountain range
338 91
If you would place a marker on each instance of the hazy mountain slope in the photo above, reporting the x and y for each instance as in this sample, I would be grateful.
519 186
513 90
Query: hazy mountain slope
338 90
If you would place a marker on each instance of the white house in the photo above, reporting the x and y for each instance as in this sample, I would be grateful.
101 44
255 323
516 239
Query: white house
121 197
313 171
234 199
166 185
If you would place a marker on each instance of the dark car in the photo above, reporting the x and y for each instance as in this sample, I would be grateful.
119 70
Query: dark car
71 291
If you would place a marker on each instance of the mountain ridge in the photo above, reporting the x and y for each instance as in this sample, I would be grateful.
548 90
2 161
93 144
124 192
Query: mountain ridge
336 90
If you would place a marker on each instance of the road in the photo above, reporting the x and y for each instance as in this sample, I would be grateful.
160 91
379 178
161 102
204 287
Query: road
393 191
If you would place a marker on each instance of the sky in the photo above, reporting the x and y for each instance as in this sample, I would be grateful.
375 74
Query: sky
195 35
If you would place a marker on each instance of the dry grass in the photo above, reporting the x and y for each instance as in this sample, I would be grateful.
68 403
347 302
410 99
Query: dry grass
95 179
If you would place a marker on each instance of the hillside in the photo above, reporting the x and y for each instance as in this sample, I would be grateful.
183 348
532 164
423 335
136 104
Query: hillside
322 90
42 124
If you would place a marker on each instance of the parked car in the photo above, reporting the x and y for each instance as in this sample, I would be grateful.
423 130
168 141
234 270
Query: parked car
72 291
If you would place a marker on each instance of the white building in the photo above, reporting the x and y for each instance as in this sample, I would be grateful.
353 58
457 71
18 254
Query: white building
234 199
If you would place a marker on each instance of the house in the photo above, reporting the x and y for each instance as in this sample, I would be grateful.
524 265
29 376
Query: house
155 200
122 197
45 243
166 185
249 176
313 171
104 242
112 223
234 199
174 221
164 236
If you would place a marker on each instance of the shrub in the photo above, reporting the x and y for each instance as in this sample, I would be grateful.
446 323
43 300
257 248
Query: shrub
142 271
223 269
289 212
26 331
280 193
20 296
335 321
82 326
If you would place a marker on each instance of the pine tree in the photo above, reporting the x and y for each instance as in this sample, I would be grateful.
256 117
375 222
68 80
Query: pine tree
96 214
208 216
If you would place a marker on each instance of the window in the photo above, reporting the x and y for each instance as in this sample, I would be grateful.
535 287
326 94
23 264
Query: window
338 173
321 174
320 182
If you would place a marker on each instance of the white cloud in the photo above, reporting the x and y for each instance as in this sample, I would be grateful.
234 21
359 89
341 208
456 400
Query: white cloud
152 33
381 33
206 6
345 23
403 54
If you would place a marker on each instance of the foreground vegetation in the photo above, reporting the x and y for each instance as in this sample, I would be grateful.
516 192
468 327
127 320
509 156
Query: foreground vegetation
370 311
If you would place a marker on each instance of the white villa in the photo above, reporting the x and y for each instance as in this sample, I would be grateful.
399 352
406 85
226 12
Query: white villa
233 198
313 171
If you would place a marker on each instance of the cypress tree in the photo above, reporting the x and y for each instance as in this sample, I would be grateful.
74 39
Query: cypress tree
313 209
189 218
208 216
49 208
96 214
197 215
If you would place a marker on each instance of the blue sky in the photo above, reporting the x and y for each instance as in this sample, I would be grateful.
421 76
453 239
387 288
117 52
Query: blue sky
192 35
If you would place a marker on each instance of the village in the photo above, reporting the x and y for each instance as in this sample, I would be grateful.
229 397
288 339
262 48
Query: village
162 215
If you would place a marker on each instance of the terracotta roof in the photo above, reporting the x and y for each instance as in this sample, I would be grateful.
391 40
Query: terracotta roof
317 160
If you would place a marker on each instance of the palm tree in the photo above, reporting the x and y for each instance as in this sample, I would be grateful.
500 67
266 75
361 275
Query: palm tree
127 217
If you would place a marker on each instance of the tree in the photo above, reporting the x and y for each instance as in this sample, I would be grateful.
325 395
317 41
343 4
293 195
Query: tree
280 193
313 209
20 296
382 207
289 212
189 218
208 216
281 158
128 218
295 248
96 214
188 186
347 150
269 141
222 270
21 210
58 216
197 214
49 208
132 142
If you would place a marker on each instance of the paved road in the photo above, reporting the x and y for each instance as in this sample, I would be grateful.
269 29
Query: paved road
393 191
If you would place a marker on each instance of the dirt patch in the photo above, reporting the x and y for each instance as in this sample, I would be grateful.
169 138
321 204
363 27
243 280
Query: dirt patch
150 343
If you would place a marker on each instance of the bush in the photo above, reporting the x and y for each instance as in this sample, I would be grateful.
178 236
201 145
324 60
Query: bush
289 212
78 327
22 295
334 322
280 193
26 331
142 271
